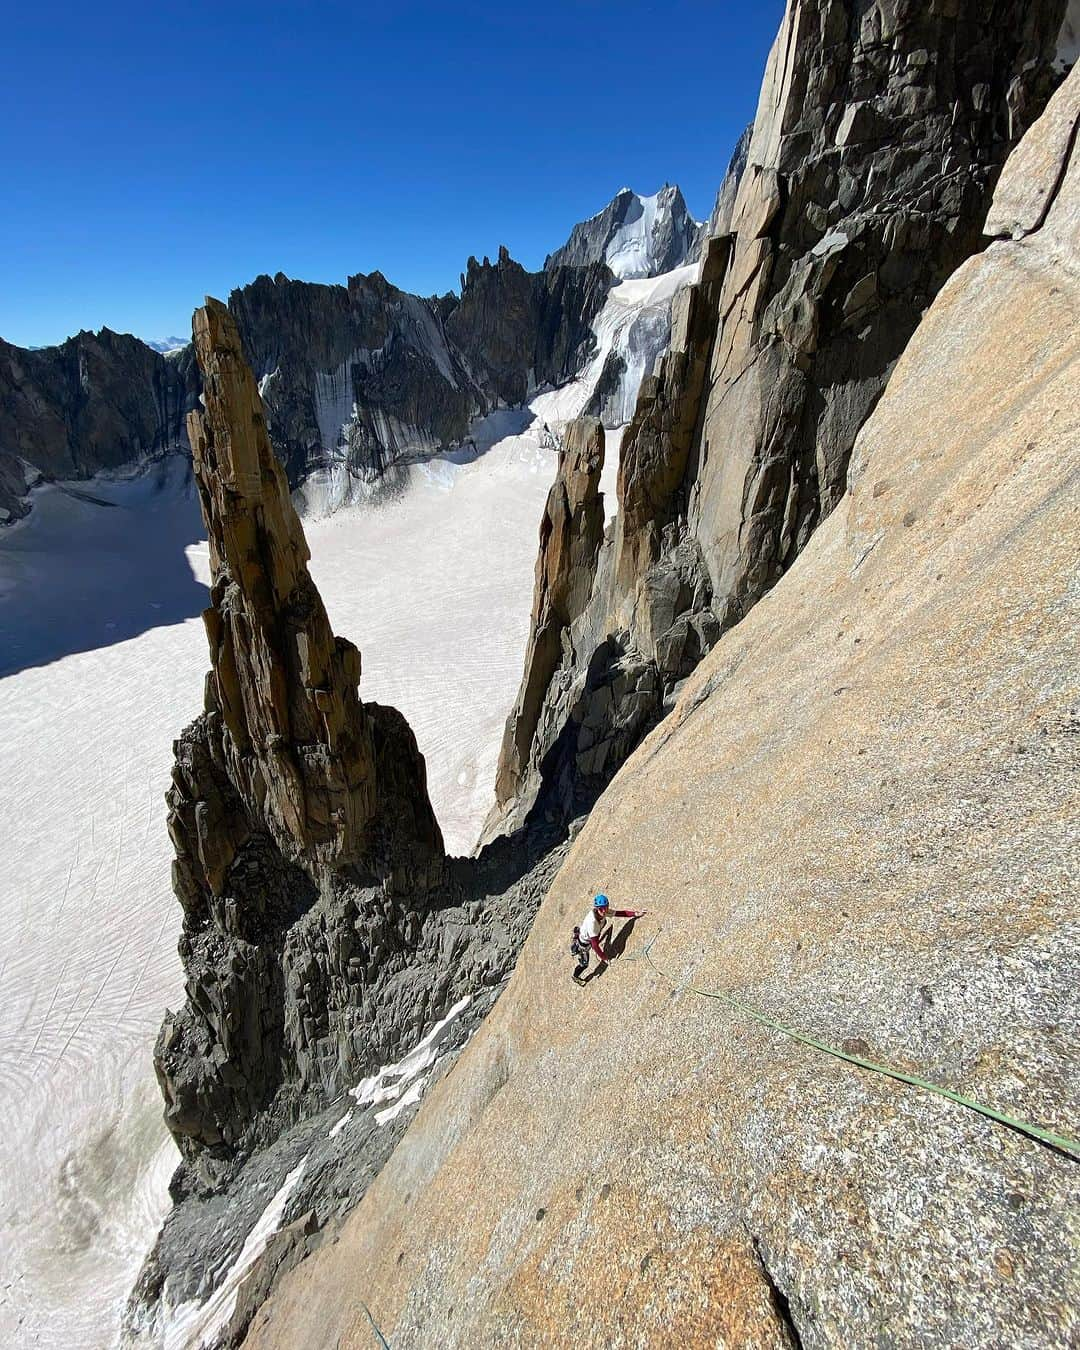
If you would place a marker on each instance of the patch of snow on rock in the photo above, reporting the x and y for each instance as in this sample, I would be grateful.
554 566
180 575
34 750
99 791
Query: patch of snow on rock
388 1083
194 1325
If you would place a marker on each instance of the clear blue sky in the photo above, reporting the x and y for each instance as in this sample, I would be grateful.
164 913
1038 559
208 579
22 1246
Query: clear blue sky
155 152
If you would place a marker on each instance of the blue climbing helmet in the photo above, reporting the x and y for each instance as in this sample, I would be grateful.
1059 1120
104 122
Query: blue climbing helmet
601 902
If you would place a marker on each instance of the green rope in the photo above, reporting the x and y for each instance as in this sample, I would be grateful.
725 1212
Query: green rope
382 1339
1060 1142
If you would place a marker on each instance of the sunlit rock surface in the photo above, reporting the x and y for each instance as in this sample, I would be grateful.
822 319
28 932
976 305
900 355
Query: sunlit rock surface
868 176
860 820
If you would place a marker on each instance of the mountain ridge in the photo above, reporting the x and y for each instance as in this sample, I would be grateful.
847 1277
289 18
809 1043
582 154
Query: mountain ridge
343 407
636 236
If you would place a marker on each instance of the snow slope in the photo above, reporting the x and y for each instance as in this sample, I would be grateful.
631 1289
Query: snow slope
635 324
435 589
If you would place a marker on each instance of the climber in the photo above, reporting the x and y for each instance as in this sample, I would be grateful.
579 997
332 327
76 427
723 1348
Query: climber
587 937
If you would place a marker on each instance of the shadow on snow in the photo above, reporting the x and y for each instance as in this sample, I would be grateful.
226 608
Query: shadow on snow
99 563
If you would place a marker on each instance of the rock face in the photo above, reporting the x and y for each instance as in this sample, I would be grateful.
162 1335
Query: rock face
357 379
99 401
852 215
635 236
518 330
724 206
354 379
571 532
324 928
859 820
879 136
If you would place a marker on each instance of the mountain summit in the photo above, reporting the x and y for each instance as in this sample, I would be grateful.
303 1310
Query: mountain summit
635 236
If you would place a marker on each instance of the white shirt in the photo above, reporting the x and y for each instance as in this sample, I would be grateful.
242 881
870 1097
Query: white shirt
593 925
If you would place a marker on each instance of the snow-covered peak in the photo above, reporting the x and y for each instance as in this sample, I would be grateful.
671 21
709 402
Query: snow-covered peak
167 344
636 236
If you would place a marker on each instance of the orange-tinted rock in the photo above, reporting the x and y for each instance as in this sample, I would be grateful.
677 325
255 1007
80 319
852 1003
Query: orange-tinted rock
296 739
571 532
859 820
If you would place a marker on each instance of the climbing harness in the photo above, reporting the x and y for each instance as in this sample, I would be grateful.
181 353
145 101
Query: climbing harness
1061 1143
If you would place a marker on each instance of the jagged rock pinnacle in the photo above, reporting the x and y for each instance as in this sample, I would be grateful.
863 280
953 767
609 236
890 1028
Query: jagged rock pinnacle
571 532
296 738
287 793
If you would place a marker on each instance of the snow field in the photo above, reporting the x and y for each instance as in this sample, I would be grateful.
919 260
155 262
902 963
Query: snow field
89 924
435 588
102 660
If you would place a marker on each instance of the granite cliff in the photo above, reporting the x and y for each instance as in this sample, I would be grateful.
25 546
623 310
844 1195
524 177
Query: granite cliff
859 821
879 136
100 401
827 653
356 379
519 330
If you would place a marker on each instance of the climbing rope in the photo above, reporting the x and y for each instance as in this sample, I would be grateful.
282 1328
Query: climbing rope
382 1339
1061 1143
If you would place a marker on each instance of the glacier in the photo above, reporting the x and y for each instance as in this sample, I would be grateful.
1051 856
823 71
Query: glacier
435 588
634 328
102 662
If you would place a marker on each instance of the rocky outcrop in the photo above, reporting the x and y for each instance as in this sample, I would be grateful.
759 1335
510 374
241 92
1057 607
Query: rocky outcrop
296 744
571 532
285 783
519 330
324 928
859 822
879 137
100 401
634 236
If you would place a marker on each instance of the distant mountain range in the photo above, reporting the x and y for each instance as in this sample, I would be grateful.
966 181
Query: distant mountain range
354 378
166 345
